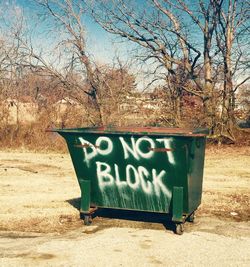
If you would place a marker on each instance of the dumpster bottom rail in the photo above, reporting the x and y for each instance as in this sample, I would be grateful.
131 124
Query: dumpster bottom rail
177 225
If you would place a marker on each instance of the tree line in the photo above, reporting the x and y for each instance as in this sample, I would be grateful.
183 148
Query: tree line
194 51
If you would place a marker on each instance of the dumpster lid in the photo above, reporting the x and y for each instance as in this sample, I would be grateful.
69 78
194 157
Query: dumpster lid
136 131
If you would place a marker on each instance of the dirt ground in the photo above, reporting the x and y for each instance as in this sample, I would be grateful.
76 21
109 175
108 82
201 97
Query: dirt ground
40 225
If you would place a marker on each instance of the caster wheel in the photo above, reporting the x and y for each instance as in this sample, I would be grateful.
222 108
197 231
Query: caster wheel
87 220
191 218
179 228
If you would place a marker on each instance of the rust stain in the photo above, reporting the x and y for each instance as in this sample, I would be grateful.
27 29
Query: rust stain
149 130
160 149
136 130
86 145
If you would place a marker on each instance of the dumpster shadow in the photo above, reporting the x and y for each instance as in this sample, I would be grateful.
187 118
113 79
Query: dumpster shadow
75 202
137 216
129 215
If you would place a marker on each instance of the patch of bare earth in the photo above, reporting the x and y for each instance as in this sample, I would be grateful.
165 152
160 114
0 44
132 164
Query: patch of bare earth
40 224
36 192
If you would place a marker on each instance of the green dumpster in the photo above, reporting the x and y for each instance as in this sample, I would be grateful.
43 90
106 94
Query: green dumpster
145 169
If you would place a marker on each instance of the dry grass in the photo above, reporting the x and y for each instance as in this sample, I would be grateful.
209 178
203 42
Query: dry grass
39 192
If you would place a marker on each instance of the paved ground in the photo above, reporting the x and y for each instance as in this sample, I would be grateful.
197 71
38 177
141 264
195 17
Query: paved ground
40 226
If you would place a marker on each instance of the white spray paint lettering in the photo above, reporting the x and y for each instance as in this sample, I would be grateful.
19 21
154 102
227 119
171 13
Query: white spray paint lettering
100 140
168 145
88 155
144 174
135 149
103 174
96 149
135 177
127 149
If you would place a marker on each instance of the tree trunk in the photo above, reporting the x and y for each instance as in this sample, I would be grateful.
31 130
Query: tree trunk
208 100
227 119
228 102
94 86
178 107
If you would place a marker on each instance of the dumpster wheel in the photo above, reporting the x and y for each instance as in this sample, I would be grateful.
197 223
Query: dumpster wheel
87 220
179 228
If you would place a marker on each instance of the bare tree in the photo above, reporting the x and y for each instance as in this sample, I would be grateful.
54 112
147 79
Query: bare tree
65 20
231 32
10 73
180 35
162 31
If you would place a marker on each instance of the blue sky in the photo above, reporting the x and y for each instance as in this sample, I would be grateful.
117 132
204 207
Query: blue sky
100 44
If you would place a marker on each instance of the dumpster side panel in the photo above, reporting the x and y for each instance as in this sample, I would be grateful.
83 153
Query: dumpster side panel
195 172
130 172
139 172
180 178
